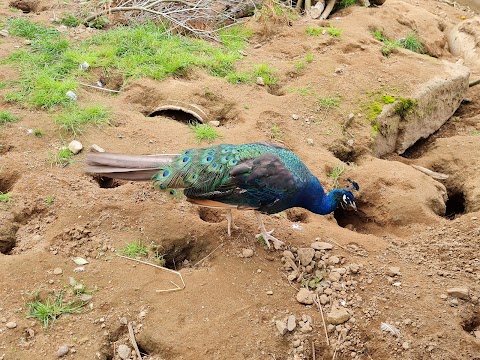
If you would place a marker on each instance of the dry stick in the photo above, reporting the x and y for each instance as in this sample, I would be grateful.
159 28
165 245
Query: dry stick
162 268
317 302
133 341
313 350
290 283
198 262
473 83
99 88
336 346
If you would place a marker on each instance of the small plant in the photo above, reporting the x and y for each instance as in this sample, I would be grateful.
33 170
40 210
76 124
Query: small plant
48 310
475 133
404 107
333 31
50 199
134 249
388 99
302 90
38 132
411 42
335 173
74 119
70 20
62 157
276 132
309 57
313 31
328 103
79 288
99 23
6 117
5 197
238 78
158 257
299 65
266 73
205 132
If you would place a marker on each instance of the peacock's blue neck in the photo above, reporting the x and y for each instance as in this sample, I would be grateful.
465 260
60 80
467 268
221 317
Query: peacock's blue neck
317 201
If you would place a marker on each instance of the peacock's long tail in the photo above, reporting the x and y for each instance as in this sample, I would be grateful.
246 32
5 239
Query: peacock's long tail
127 167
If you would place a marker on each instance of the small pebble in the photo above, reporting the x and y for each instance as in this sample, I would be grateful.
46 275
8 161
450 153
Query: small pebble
310 142
123 351
57 271
75 146
260 81
4 32
281 327
96 148
62 350
11 325
246 253
406 345
291 323
214 123
269 292
295 117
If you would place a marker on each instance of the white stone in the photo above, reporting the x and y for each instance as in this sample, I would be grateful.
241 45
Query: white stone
62 350
96 148
124 351
260 81
11 325
459 292
305 296
214 123
246 253
305 255
57 271
75 146
338 316
393 271
321 245
291 323
281 327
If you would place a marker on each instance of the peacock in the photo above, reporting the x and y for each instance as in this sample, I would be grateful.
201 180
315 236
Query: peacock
263 177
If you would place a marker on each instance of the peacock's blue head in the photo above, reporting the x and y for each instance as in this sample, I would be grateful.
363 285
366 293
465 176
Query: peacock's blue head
345 197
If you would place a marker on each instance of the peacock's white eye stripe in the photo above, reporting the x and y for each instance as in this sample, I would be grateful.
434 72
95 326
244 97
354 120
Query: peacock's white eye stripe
344 198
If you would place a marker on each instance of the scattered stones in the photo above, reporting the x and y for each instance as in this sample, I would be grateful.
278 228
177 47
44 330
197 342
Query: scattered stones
124 351
57 271
75 146
459 292
338 316
11 325
246 253
214 123
305 296
305 255
62 351
393 271
321 245
281 327
291 323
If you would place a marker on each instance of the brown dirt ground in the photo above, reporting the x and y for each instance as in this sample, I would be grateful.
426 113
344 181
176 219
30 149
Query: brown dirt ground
225 312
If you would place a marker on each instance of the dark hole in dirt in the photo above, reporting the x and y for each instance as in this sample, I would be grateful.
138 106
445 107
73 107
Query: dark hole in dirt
142 350
455 205
472 323
211 215
297 215
185 253
343 152
177 115
24 5
108 183
416 150
4 148
7 180
348 218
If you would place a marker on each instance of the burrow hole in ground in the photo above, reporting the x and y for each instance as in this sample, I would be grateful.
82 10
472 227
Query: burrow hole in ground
177 115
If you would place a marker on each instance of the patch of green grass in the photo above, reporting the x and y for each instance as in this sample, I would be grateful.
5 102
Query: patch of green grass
50 199
335 173
276 132
475 133
404 107
7 117
70 20
347 3
308 57
205 132
38 132
5 197
62 157
238 78
3 85
411 42
302 90
299 65
266 73
328 103
313 30
388 99
134 249
333 31
74 119
48 310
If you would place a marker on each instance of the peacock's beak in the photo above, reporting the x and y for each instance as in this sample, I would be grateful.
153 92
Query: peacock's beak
353 205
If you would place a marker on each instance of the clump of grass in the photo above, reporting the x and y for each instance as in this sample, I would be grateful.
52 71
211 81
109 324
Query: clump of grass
204 132
50 199
308 57
335 173
276 132
300 65
7 117
238 78
333 31
404 107
38 132
328 103
48 310
61 158
266 73
134 249
388 99
313 30
5 197
74 119
347 3
70 20
302 90
411 42
475 133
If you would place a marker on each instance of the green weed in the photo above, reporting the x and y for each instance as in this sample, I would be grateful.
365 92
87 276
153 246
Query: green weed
333 31
308 57
475 133
70 20
276 132
300 65
7 117
404 107
266 73
411 42
62 157
204 132
38 132
134 249
302 90
328 103
48 310
5 197
238 78
313 31
347 3
74 119
50 199
388 99
335 173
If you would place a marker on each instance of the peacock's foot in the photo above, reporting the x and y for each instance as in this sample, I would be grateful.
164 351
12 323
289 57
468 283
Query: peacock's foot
230 223
267 236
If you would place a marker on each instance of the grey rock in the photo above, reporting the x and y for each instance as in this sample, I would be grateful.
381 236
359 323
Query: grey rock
288 254
57 271
291 323
393 271
281 327
321 245
333 260
324 299
71 95
11 325
459 292
305 296
86 297
246 253
124 351
338 316
4 32
75 146
305 255
354 268
62 350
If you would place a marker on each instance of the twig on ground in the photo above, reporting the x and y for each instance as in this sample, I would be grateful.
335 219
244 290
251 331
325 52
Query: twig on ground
313 350
198 262
336 346
133 341
317 302
162 268
99 88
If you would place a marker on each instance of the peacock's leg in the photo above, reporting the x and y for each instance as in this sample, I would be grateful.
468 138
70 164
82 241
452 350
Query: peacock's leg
267 235
230 222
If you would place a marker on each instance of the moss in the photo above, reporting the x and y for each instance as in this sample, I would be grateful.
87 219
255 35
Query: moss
388 99
404 107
